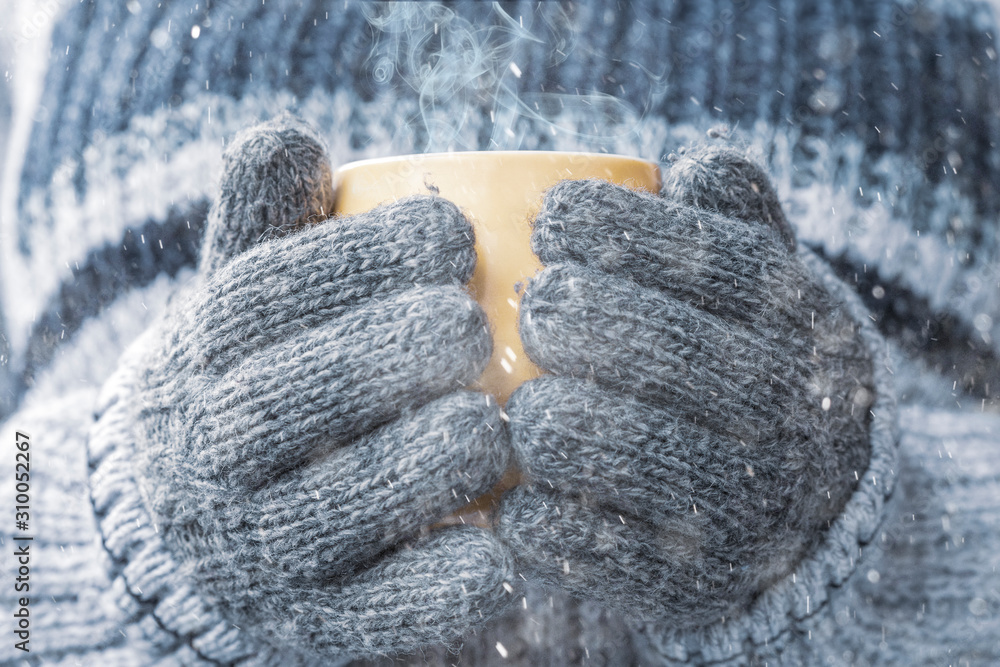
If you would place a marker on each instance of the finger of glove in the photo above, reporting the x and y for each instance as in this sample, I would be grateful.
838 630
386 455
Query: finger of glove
430 593
276 178
622 562
275 289
738 270
628 456
723 180
331 517
637 340
330 384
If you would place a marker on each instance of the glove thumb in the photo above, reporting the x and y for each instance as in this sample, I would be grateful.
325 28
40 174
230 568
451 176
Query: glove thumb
723 180
276 178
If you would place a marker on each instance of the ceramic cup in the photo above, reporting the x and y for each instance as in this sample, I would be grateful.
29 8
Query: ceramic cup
500 192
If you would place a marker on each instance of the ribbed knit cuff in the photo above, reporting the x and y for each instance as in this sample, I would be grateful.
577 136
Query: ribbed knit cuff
805 591
132 539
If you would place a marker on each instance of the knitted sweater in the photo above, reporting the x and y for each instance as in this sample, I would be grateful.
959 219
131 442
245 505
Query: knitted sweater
878 122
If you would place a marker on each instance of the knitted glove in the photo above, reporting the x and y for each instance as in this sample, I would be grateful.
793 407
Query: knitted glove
268 457
706 413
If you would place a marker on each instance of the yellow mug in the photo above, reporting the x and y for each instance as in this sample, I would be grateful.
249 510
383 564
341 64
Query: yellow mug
501 193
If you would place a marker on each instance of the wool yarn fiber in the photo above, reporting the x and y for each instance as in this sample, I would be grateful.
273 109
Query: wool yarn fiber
709 403
297 419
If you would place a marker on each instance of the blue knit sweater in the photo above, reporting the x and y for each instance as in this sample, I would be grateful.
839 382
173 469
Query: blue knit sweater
879 123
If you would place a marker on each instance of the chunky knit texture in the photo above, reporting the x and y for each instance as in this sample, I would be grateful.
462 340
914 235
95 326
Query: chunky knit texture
720 179
877 122
88 602
283 450
707 417
276 177
888 180
764 630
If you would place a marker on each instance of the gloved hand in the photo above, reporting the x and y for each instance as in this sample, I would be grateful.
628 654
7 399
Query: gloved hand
706 413
272 452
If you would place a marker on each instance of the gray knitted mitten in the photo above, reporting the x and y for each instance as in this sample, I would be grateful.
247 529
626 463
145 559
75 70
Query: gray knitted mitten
297 420
706 413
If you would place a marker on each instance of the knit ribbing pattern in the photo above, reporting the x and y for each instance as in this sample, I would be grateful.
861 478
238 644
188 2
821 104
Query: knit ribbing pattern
149 573
833 97
81 609
931 131
770 620
829 69
926 591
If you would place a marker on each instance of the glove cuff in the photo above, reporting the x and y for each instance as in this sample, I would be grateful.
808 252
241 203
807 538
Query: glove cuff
132 540
775 612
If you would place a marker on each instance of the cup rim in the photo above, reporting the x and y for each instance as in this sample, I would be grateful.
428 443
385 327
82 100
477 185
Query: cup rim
506 154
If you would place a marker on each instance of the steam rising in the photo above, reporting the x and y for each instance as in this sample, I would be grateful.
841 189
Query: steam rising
481 82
